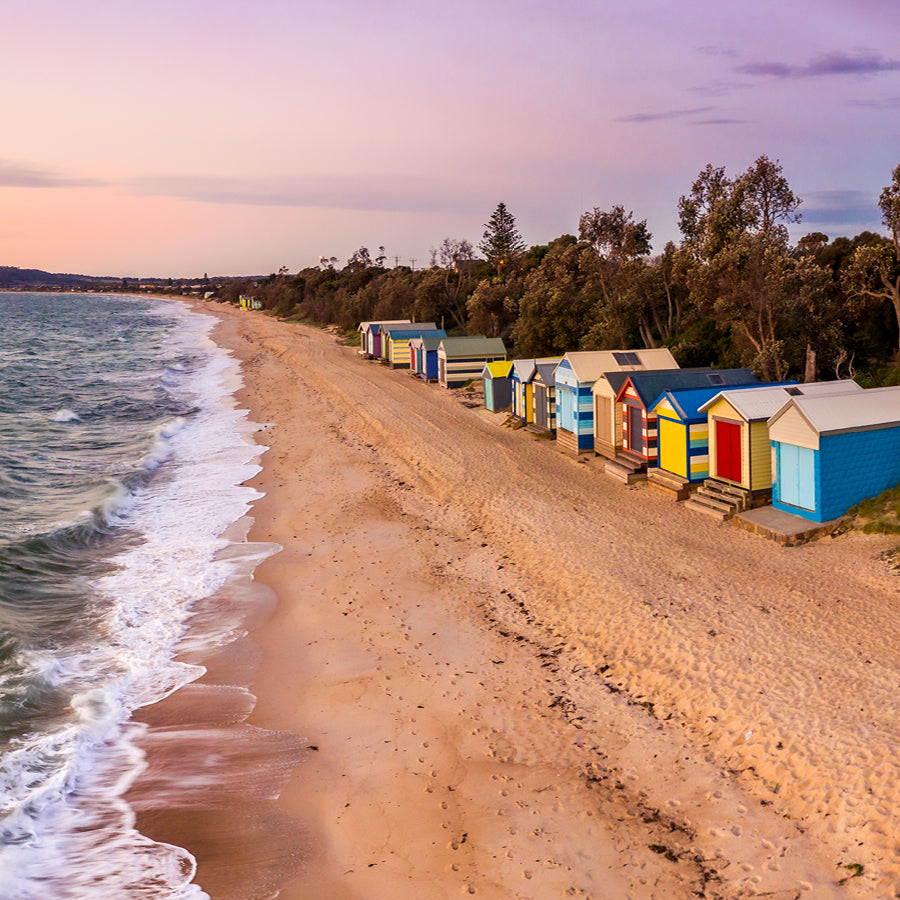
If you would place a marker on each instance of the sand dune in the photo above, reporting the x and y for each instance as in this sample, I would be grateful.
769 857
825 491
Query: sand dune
524 679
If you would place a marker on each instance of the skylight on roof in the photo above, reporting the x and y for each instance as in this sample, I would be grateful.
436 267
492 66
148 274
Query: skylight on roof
794 391
626 358
715 378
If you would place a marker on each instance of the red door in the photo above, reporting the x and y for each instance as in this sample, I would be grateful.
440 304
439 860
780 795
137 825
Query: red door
728 450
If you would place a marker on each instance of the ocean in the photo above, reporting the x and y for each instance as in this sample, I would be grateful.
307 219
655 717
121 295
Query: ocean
122 458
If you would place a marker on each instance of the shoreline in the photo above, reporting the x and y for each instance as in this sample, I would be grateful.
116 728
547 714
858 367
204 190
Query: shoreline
471 715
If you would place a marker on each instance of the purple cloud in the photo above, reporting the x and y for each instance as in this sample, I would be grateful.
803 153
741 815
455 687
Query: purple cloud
863 62
884 103
839 208
669 114
18 176
378 193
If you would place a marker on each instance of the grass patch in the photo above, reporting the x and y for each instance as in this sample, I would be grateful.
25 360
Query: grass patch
878 515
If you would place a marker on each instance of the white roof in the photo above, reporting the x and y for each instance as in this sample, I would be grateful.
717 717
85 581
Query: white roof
589 365
874 408
364 325
763 402
525 369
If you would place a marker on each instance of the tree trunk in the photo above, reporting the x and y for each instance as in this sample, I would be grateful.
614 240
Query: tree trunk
810 374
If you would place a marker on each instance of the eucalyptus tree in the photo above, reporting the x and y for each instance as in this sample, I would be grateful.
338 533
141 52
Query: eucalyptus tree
740 268
873 271
621 245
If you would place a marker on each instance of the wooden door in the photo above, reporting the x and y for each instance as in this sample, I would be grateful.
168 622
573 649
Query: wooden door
728 450
796 476
635 429
540 406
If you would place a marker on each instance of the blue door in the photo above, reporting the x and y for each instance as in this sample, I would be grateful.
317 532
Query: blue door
565 408
797 476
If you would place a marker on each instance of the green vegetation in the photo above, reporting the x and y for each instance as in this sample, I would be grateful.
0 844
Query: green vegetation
878 515
733 292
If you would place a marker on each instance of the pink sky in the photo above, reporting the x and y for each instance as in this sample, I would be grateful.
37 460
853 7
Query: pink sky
187 136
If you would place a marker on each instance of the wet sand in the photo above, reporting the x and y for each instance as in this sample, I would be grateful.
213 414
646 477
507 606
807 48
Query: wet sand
492 670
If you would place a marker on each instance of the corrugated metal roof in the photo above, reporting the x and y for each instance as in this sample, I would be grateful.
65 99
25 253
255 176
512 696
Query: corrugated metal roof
687 403
763 402
874 408
473 346
498 369
589 365
649 385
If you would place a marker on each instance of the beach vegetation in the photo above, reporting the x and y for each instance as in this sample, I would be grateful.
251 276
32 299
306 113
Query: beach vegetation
733 291
878 515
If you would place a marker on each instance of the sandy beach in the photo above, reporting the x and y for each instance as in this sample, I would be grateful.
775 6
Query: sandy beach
483 667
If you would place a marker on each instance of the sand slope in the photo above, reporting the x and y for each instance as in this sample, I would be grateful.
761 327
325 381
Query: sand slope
523 679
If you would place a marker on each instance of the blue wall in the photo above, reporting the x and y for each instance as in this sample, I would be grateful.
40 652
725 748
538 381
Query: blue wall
849 468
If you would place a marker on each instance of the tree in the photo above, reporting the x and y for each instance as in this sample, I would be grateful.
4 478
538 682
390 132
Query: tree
446 286
620 243
740 268
889 202
501 243
560 301
359 260
873 271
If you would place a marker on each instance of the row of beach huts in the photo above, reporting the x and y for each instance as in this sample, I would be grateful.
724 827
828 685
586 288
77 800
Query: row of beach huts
716 438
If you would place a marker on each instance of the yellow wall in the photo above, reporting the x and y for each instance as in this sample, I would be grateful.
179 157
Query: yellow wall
760 457
672 438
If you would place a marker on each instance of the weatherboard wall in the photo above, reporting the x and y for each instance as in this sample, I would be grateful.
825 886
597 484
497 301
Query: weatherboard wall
497 378
574 410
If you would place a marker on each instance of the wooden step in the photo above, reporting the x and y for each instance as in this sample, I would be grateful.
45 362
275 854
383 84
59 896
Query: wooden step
699 506
625 473
716 501
674 485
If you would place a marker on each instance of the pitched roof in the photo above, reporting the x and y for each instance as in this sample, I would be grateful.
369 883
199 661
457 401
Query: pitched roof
499 369
687 402
860 410
589 365
525 369
401 334
473 346
546 370
431 342
363 326
649 385
764 401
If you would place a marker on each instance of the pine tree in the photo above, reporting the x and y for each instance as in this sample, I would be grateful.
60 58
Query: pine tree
501 243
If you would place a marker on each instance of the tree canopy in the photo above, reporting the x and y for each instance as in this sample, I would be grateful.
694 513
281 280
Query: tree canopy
733 291
501 243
